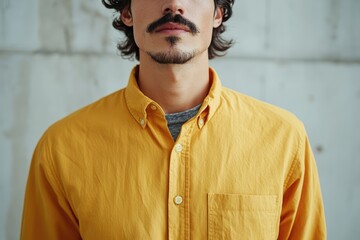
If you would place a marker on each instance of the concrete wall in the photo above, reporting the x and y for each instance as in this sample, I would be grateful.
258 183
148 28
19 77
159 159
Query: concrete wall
303 55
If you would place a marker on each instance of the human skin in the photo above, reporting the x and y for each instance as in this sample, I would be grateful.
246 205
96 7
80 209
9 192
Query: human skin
176 87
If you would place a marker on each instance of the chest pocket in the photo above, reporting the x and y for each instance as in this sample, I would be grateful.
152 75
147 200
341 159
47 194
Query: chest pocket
234 216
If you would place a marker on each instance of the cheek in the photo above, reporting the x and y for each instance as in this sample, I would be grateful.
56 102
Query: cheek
208 38
206 28
139 33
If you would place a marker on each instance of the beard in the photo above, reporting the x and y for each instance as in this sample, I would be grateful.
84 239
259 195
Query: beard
173 56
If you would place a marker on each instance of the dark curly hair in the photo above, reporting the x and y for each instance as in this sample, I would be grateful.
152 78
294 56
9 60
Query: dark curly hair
128 47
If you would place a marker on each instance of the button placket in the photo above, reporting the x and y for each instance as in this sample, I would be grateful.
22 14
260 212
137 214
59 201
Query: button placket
176 197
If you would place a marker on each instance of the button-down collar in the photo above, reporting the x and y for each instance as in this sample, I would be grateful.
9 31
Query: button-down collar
138 103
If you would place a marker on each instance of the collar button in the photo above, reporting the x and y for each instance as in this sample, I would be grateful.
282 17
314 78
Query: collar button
142 122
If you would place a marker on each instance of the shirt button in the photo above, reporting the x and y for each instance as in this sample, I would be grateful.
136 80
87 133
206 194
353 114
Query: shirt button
142 121
178 147
178 200
201 123
153 107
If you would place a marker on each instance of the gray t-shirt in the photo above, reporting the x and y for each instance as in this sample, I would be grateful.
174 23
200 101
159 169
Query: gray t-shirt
176 120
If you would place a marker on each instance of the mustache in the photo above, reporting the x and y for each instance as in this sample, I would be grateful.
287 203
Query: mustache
169 18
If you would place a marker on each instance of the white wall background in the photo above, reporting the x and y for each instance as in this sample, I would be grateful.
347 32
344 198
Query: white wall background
303 55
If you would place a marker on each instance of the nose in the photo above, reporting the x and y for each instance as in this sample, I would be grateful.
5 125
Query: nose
173 6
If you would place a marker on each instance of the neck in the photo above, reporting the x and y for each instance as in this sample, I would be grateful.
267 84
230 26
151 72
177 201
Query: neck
175 87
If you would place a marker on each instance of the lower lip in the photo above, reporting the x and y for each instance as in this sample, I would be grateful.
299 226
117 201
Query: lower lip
172 31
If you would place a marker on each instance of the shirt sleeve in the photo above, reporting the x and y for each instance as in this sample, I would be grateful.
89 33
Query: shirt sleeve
47 213
302 215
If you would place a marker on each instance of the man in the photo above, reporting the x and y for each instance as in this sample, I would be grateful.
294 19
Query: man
174 155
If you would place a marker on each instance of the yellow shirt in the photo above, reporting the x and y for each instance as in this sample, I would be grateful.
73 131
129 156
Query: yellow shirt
240 169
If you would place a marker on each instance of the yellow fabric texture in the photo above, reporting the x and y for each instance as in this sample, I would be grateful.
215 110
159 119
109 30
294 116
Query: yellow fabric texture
240 169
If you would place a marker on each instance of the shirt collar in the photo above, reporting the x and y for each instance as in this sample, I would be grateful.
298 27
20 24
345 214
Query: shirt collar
138 103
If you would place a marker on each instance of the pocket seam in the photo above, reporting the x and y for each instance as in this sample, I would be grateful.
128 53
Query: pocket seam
216 205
